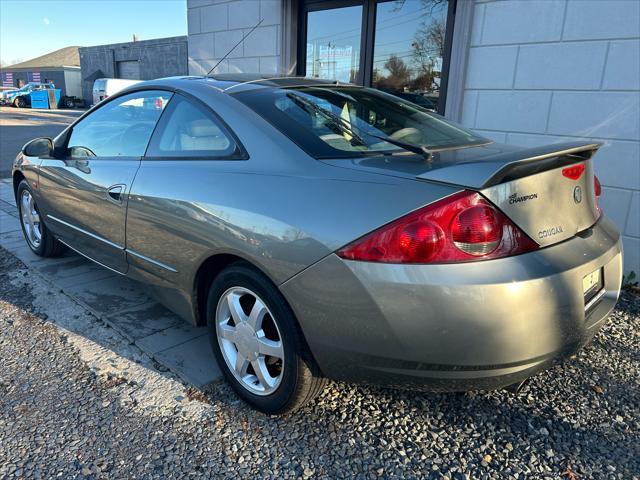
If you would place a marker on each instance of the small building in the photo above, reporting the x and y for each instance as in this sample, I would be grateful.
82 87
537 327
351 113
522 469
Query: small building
139 60
61 67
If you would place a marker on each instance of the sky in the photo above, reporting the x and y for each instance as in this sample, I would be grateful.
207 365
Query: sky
30 28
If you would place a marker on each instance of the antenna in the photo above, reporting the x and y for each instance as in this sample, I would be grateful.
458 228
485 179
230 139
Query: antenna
234 47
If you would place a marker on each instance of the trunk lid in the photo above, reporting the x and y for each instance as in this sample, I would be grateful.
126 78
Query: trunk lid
528 185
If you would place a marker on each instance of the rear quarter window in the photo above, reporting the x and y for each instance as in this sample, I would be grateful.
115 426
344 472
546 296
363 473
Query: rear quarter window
190 130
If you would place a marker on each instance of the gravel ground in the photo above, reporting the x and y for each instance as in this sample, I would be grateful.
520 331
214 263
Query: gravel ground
77 401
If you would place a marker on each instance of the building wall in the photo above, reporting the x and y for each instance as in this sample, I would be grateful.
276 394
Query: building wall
215 26
549 71
161 57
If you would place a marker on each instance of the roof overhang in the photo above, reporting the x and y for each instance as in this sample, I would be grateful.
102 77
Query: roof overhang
38 69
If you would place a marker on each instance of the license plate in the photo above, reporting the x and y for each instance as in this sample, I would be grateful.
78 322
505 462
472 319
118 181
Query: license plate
592 284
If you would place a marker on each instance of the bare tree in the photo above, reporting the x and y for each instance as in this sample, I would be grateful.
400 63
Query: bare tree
426 4
428 47
399 74
427 50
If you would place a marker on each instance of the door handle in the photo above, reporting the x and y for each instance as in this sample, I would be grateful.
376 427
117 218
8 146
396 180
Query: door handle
114 193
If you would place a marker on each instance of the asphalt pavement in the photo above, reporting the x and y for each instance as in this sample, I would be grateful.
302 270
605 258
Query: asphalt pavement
18 126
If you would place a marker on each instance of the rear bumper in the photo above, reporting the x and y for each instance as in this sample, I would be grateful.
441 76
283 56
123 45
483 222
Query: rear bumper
455 327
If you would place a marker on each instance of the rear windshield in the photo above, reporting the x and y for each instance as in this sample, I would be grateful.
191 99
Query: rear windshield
350 121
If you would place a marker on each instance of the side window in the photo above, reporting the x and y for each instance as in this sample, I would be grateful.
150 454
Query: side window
120 128
190 130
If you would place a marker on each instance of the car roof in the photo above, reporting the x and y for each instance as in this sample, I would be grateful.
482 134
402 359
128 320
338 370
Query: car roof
240 82
245 81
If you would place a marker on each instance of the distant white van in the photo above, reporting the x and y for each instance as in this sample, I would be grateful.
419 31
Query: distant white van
105 87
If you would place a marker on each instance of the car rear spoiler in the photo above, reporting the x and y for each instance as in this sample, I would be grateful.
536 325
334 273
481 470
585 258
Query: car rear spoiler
508 166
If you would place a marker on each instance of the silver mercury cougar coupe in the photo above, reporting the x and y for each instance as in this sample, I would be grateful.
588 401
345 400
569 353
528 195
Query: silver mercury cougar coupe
326 230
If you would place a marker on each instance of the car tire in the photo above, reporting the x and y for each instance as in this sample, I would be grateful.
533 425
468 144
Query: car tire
19 102
69 103
39 239
293 380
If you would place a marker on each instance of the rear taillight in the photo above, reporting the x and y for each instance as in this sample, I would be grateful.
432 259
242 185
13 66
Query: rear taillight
461 228
477 230
597 188
574 172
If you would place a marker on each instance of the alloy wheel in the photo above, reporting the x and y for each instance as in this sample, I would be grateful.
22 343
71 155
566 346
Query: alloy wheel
249 340
30 219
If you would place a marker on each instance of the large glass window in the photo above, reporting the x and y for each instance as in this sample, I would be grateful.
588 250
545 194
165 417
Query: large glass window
399 46
120 128
409 50
333 43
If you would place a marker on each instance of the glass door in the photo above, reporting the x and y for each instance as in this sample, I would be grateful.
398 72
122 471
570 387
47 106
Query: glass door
333 41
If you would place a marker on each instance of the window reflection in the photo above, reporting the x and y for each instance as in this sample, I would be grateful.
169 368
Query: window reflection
120 128
408 50
333 43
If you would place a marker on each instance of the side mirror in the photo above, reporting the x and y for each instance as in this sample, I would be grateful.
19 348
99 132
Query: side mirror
38 147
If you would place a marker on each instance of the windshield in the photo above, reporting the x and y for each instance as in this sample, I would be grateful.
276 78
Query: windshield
347 121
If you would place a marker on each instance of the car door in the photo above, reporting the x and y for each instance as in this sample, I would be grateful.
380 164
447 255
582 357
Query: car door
84 192
187 154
